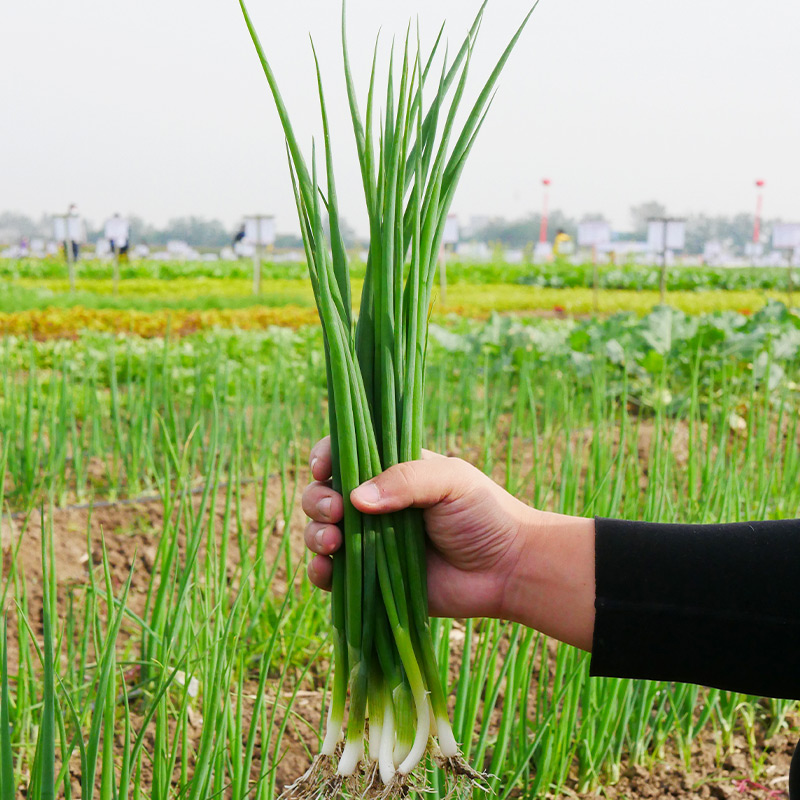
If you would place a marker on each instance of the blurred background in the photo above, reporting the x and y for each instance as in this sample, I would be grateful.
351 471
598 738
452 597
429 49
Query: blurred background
160 112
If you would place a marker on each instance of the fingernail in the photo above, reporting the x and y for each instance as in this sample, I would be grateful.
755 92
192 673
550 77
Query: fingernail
368 493
324 506
318 536
313 461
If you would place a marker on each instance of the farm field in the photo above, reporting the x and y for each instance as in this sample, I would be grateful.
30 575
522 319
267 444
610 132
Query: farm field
556 275
162 637
154 298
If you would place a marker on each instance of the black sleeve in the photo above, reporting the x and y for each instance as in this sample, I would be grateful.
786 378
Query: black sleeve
717 605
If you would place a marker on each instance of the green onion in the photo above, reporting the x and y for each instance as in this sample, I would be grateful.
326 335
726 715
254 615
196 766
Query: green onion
385 663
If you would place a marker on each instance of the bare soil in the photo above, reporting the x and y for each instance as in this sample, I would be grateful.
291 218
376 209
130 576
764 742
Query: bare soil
130 531
712 775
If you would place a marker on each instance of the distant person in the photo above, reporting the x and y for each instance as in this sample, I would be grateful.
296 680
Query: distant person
75 233
118 234
562 244
242 247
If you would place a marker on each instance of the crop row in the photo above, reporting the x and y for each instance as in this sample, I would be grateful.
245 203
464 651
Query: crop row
42 314
49 323
554 275
102 395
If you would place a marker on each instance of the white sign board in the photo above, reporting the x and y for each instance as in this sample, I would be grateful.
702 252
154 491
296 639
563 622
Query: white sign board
450 235
754 249
244 249
786 235
102 248
259 230
176 247
117 231
593 233
543 251
676 235
68 229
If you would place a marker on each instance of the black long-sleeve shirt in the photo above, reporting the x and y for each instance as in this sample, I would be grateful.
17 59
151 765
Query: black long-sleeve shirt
717 605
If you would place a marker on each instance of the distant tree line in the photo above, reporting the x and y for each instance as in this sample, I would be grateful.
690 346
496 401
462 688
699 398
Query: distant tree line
733 231
519 233
197 231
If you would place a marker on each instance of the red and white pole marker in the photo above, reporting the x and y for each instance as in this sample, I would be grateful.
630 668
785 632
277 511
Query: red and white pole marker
543 226
759 203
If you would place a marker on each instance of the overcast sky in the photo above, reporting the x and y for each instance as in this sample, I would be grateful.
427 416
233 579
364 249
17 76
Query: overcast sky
160 108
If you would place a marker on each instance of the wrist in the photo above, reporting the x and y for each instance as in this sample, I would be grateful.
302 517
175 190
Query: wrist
552 585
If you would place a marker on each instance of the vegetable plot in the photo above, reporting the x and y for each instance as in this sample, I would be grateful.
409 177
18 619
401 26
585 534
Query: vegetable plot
385 664
576 417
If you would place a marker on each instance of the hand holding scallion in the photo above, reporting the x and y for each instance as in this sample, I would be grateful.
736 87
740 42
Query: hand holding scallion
385 665
489 554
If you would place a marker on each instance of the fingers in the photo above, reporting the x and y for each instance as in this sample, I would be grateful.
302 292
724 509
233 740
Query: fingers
320 572
321 503
417 484
320 459
322 538
325 507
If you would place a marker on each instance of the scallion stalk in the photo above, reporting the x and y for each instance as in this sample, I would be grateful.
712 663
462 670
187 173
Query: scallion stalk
384 659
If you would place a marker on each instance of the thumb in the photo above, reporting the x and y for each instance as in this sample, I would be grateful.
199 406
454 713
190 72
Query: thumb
412 484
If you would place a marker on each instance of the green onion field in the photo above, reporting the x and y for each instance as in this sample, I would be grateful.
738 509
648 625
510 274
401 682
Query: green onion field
161 639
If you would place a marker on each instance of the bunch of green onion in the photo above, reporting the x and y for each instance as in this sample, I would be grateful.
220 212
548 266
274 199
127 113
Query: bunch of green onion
384 659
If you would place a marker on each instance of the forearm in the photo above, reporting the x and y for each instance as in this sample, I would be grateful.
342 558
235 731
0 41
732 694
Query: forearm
709 604
552 588
712 604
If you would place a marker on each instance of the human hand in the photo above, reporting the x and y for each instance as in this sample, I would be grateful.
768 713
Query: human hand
473 526
489 554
